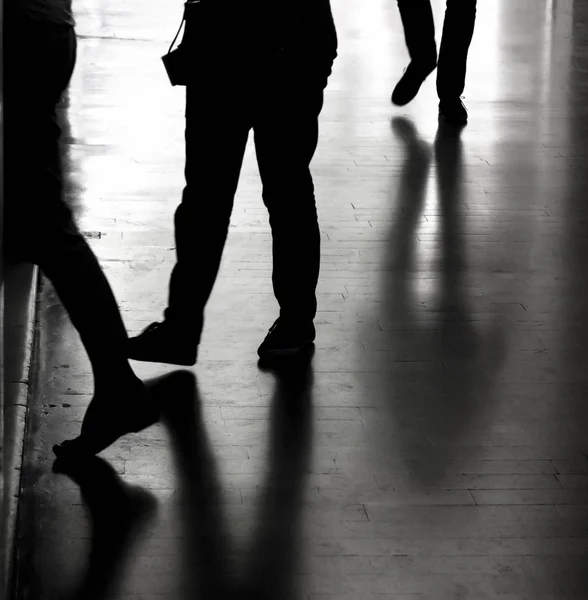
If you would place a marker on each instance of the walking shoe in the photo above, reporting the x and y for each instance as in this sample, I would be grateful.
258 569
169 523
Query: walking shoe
128 408
287 338
161 343
410 83
453 111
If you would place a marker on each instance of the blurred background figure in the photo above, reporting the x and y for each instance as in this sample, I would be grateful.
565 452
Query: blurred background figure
40 44
419 33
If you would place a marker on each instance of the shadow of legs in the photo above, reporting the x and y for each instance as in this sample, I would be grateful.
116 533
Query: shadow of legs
272 560
117 510
205 535
412 189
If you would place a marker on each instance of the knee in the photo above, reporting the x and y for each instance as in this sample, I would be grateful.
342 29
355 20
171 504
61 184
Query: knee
292 211
202 204
461 6
45 241
206 220
63 243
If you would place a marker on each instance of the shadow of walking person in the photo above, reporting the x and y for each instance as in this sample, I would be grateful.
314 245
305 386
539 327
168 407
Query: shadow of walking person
411 193
117 512
274 553
470 346
209 571
206 536
442 353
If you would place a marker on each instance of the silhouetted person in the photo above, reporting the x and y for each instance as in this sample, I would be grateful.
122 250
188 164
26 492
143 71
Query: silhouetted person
266 70
419 33
39 58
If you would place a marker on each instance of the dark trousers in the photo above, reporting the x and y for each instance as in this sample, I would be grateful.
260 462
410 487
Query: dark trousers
458 29
39 59
282 105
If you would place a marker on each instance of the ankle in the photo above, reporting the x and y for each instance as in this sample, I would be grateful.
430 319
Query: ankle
424 64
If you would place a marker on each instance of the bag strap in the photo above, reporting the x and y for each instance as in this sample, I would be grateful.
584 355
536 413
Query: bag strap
182 23
178 33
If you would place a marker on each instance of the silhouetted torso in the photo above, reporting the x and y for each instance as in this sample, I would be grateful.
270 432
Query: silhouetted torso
58 12
262 27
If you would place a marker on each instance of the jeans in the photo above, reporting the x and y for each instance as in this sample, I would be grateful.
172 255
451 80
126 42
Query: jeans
458 29
281 103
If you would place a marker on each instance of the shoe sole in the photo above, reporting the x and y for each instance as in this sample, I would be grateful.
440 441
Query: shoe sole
268 354
166 360
138 352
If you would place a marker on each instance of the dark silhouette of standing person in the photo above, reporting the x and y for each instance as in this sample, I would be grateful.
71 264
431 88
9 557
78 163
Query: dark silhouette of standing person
39 58
259 65
419 33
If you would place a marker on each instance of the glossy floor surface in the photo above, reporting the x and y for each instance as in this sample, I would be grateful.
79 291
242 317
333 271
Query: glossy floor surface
438 447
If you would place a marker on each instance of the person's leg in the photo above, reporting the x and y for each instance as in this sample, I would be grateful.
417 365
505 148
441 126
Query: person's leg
216 136
120 403
215 145
286 136
419 34
39 227
458 30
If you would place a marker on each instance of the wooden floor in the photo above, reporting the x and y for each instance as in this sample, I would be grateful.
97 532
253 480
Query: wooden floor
439 448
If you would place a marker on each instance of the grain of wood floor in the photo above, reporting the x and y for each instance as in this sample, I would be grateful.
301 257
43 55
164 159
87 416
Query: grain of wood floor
438 447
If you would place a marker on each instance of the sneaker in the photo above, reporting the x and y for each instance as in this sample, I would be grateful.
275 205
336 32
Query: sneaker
453 111
161 343
410 83
287 339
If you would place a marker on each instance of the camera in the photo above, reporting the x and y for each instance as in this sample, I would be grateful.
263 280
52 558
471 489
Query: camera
176 62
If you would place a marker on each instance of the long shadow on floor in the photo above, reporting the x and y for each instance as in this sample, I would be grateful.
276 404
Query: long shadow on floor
209 571
117 512
270 564
429 320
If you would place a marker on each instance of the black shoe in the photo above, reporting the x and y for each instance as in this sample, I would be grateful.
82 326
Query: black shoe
161 343
453 111
410 83
286 338
129 408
